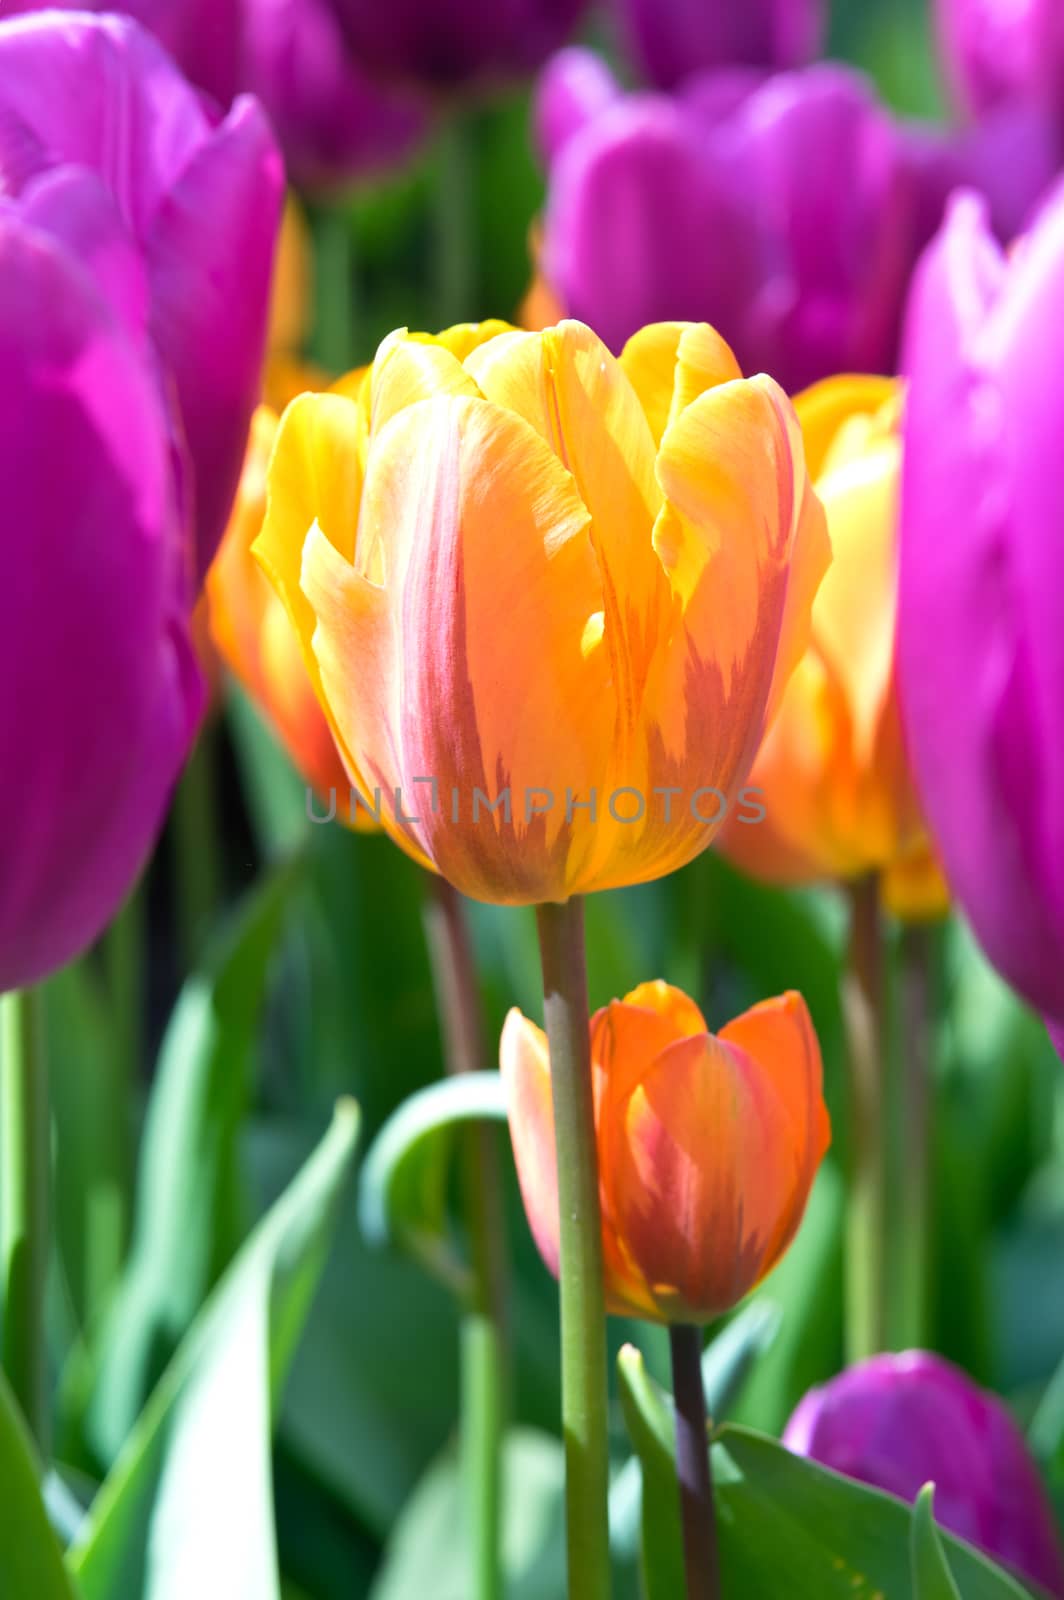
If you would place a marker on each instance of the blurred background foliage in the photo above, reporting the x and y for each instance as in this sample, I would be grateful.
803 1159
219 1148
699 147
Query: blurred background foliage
301 977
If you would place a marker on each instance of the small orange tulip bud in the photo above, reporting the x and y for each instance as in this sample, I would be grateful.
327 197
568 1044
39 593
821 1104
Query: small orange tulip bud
833 773
548 597
707 1145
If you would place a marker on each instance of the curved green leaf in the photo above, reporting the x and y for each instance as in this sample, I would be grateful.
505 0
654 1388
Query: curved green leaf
648 1417
31 1566
788 1526
188 1507
189 1216
932 1578
403 1183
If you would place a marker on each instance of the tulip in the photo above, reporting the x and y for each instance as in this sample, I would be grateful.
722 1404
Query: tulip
453 43
333 121
109 149
901 1421
251 631
980 648
103 693
707 1145
832 775
789 213
567 708
204 37
995 53
671 39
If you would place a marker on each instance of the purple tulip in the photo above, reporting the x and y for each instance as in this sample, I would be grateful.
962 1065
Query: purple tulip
981 647
87 101
996 53
334 123
452 43
789 212
135 241
900 1421
671 39
203 36
102 691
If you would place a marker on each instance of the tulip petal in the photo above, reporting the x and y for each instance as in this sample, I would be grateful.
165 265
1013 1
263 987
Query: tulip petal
778 1036
91 621
669 364
525 1065
742 540
701 1170
210 299
254 634
568 386
858 482
423 664
314 478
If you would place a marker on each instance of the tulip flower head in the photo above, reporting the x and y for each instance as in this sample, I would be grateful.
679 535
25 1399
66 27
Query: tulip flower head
547 598
789 212
996 53
832 774
980 643
707 1145
900 1421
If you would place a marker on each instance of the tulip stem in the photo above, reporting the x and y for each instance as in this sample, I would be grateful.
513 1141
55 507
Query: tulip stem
580 1273
917 1088
25 1153
693 1468
863 990
483 1341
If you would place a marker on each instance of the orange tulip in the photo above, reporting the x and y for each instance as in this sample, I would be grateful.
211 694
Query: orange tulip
707 1145
546 597
252 633
834 777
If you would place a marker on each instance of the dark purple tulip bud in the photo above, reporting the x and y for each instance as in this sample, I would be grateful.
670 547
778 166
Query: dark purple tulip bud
900 1421
452 44
672 39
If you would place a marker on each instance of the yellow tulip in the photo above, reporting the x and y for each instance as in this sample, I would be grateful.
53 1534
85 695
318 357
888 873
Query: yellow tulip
547 598
833 777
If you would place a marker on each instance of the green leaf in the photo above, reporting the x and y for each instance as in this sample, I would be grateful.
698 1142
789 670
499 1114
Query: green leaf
403 1185
426 1555
31 1566
932 1578
648 1417
189 1214
788 1526
188 1508
275 795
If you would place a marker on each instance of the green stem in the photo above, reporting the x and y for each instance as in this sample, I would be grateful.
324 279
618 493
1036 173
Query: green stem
917 1088
455 233
866 1212
24 1204
483 1336
693 1469
198 874
580 1274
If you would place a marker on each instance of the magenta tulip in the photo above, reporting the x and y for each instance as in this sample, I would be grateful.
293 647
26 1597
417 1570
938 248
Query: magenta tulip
900 1421
981 647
